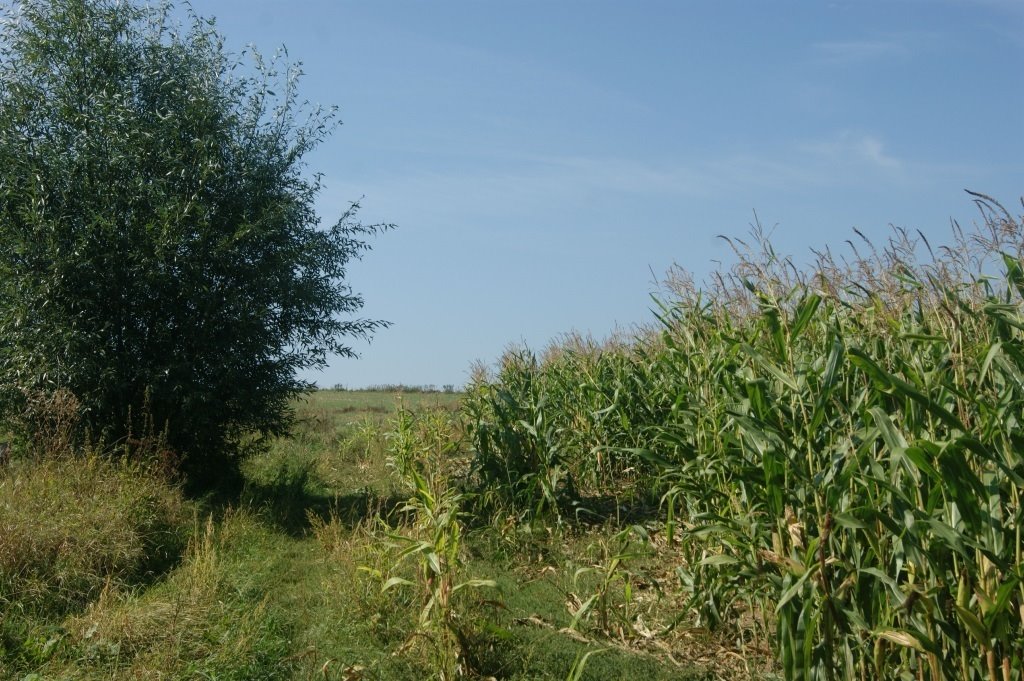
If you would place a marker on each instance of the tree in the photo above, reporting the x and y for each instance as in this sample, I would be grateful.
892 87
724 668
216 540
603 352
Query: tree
160 255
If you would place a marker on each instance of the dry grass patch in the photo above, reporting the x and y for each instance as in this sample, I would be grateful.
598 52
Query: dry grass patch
211 618
72 526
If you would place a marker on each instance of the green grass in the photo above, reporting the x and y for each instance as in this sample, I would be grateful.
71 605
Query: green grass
72 530
274 584
339 408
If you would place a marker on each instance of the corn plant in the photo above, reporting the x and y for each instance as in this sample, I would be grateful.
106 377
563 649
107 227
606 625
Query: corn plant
615 576
518 459
419 447
836 450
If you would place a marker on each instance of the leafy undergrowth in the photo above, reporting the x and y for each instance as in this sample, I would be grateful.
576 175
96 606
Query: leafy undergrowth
522 629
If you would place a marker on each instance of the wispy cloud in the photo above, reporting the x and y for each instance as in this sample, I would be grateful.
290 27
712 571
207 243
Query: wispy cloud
1003 18
1012 7
848 51
849 148
545 181
878 47
529 185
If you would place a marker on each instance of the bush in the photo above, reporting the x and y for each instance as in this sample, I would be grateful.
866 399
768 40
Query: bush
160 256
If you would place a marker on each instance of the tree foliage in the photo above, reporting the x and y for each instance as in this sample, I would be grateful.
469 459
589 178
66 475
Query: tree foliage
160 254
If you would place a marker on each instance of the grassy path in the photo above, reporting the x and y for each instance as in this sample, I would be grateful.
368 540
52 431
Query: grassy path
272 585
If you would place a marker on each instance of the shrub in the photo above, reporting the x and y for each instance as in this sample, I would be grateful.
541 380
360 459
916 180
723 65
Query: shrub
160 255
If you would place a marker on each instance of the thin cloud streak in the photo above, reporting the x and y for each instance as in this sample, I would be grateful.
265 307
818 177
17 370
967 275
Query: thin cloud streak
850 51
849 148
880 47
532 183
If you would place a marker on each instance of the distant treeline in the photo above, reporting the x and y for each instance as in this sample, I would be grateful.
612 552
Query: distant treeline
398 388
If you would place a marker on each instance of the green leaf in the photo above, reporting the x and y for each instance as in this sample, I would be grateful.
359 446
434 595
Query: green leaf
849 521
770 367
797 587
1003 598
828 381
719 559
805 313
1014 273
902 638
476 584
893 439
585 607
395 581
891 384
920 458
989 356
975 626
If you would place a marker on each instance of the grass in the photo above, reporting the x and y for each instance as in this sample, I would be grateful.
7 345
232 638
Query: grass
337 409
274 584
71 527
212 617
72 530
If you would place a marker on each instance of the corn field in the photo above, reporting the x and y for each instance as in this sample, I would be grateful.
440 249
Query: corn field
836 448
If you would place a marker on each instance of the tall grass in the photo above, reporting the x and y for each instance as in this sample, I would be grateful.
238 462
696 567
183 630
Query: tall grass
73 528
68 527
836 448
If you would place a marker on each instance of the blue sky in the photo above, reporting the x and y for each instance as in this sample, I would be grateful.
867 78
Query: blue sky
545 160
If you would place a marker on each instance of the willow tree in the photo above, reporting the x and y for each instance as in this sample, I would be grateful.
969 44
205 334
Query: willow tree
161 258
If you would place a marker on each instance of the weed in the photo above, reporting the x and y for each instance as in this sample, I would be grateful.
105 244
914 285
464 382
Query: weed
614 581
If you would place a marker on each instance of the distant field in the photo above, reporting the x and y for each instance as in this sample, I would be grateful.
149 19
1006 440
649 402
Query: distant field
349 406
